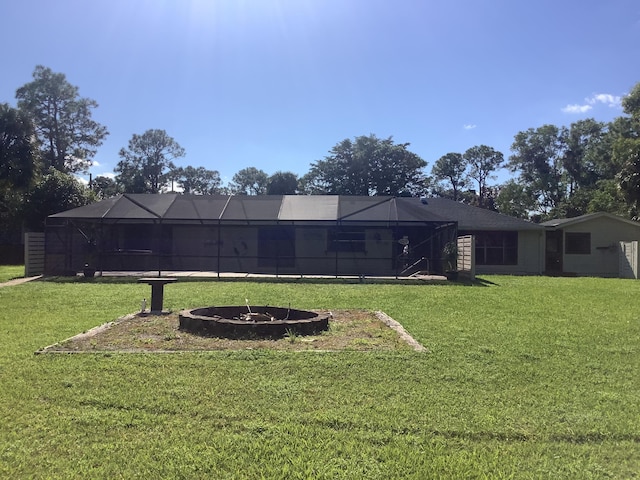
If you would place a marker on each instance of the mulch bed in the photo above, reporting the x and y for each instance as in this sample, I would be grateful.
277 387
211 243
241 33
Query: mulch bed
354 330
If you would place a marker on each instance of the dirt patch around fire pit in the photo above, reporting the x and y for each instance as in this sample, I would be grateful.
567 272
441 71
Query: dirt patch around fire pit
355 330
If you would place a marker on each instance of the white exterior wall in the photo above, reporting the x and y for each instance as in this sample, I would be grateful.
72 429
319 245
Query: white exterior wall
196 248
530 256
312 255
239 252
239 249
606 233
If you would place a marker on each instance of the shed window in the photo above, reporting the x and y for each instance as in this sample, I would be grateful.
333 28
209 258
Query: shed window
577 243
346 240
496 248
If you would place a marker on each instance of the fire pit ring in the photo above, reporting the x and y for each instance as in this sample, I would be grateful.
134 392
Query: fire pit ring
249 321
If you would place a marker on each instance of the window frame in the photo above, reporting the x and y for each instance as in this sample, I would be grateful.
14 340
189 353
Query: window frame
577 243
347 240
496 247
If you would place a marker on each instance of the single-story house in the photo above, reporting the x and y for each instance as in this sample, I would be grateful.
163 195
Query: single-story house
596 244
289 234
503 244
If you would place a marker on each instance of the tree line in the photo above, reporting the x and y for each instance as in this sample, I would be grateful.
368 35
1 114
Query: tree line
557 171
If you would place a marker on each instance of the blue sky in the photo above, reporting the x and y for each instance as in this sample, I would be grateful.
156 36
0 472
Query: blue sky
275 84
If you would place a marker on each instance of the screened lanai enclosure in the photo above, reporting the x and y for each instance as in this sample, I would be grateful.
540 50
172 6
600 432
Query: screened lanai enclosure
270 234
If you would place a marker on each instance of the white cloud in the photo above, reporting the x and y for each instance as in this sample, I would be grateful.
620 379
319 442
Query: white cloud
606 98
577 108
85 179
469 126
106 174
612 101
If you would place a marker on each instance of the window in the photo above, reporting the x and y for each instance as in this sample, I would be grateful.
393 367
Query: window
577 243
346 240
496 248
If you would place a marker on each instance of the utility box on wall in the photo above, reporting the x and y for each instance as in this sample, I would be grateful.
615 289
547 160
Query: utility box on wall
628 259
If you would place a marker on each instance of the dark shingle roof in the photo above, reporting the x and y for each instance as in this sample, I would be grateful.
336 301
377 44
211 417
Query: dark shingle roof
474 218
563 222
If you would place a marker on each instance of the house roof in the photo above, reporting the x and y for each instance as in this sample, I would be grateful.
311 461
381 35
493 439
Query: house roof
565 222
474 218
265 208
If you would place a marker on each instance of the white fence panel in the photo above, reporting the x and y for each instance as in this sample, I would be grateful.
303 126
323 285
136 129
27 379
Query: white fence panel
628 259
33 254
467 256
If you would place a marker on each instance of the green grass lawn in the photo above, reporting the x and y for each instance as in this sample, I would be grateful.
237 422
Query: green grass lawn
9 272
528 377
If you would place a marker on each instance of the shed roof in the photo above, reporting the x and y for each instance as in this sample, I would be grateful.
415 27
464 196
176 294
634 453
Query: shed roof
565 222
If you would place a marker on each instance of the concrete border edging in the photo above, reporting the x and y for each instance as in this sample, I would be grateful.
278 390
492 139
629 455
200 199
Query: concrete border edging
391 323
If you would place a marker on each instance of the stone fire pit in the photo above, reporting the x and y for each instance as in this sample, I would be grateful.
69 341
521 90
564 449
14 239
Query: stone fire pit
249 321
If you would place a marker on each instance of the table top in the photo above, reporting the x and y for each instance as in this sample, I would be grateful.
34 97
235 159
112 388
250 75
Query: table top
156 280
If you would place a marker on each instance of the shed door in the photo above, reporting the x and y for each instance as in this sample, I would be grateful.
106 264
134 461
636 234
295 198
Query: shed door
553 259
